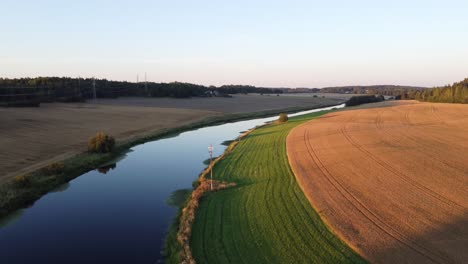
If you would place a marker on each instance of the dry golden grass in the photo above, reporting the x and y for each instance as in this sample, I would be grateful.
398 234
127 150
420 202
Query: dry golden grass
392 182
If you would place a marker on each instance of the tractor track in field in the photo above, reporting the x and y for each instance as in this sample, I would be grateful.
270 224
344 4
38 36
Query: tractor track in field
389 178
364 210
395 171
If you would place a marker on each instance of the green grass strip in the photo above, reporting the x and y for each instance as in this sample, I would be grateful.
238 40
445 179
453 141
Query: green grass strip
12 198
266 218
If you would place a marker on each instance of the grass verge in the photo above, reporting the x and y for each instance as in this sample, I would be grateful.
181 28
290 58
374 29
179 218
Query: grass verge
266 218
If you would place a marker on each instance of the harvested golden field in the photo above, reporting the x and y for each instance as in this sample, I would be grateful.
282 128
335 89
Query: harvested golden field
392 182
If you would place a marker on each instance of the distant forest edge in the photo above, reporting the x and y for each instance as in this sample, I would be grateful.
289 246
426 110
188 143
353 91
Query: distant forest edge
388 90
33 91
455 93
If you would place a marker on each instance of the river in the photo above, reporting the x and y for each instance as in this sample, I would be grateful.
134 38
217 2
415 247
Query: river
120 213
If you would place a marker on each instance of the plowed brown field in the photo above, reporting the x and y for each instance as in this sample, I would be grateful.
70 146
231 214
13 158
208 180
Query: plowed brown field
392 182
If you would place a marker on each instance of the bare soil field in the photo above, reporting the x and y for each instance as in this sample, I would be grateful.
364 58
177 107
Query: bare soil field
236 104
31 138
392 182
34 137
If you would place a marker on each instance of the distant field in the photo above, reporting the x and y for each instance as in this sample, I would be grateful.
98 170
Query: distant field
266 218
236 104
392 181
34 137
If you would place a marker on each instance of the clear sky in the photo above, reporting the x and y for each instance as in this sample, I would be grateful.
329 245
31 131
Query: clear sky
263 43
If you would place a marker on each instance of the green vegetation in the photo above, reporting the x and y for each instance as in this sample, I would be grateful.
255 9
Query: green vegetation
54 168
390 90
32 91
364 99
21 181
455 93
266 218
43 180
23 190
101 143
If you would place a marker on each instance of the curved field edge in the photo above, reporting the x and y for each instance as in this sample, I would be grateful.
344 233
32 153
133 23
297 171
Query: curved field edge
266 218
13 198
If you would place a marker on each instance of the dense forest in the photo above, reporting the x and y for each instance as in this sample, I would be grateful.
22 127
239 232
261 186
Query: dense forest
364 99
455 93
32 91
390 90
234 89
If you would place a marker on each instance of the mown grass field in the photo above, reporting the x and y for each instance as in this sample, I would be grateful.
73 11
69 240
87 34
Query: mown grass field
266 218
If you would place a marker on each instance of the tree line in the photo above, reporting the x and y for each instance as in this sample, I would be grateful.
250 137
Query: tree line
388 90
455 93
364 99
30 91
235 89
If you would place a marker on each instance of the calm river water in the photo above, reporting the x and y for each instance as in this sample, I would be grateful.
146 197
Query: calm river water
120 216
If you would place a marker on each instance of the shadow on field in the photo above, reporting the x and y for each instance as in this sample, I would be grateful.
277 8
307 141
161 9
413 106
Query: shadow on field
444 244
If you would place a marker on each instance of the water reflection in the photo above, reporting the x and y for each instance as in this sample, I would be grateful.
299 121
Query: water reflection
107 168
118 219
61 188
178 197
11 218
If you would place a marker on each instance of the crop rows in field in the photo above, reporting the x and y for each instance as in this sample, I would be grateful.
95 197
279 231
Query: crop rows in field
394 179
266 218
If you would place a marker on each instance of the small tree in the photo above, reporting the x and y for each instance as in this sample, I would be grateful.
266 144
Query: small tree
53 168
283 118
21 181
101 143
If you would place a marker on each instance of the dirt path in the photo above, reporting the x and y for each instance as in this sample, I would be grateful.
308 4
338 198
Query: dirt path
392 182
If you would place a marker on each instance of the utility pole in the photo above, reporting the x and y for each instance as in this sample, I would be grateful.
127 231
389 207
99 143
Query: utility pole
146 85
94 89
210 150
79 87
75 90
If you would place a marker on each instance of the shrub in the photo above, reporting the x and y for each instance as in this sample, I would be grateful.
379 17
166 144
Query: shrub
53 168
283 118
101 143
21 181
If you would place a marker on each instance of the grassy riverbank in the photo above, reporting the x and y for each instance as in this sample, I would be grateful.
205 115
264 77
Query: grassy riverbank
13 197
266 218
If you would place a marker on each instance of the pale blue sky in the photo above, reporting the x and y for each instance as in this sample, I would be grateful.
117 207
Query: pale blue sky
263 43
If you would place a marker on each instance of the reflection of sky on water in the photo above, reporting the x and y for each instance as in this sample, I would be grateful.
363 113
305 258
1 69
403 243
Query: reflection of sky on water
119 217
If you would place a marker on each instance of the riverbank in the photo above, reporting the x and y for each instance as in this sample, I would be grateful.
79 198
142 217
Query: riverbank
32 138
13 197
177 244
257 221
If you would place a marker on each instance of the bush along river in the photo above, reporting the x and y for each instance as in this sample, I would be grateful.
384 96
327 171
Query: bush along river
121 212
